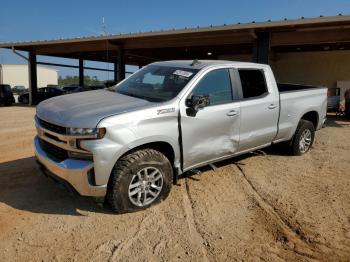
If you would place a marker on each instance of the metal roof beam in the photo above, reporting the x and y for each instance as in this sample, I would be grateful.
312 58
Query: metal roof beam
74 47
74 66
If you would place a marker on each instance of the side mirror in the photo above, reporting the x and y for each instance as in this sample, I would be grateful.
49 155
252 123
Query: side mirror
197 102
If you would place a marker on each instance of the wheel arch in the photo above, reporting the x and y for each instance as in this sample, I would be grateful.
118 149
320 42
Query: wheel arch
311 116
164 147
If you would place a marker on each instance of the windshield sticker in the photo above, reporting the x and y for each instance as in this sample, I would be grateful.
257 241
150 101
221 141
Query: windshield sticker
183 73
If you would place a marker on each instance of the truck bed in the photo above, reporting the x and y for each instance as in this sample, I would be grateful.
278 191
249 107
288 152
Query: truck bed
295 101
287 87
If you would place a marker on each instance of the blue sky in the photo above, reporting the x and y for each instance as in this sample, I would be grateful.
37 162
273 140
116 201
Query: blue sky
39 19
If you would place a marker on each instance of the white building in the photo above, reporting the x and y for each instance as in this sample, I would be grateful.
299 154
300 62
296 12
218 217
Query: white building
17 75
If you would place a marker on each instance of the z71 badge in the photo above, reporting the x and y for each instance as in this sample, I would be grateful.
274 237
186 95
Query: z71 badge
166 110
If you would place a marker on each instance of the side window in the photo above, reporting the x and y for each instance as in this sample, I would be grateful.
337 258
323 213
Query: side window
253 82
217 85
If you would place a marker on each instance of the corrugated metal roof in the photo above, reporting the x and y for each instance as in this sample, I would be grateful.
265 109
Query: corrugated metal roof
238 26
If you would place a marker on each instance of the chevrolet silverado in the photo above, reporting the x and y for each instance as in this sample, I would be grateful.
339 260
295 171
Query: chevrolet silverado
130 145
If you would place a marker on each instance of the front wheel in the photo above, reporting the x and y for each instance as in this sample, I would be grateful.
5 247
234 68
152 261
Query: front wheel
139 180
303 138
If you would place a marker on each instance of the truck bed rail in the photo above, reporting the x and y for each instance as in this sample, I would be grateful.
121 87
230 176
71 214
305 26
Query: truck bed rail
286 87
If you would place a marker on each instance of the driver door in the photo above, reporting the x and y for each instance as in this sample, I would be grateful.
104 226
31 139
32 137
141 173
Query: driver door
213 132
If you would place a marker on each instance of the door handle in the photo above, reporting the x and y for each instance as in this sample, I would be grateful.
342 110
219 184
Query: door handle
232 113
272 106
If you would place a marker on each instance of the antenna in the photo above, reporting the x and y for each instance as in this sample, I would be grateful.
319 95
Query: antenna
195 62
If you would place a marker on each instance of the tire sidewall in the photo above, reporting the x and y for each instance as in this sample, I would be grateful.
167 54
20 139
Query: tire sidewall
120 189
303 125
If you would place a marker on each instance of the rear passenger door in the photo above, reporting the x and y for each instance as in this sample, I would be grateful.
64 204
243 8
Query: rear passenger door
259 109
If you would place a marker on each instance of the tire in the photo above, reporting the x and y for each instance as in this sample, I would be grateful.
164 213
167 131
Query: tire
303 138
129 176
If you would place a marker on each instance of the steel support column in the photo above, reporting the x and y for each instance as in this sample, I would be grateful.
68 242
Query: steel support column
33 81
81 72
115 71
120 65
261 48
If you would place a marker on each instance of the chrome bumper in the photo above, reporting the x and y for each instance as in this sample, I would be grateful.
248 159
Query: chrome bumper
74 171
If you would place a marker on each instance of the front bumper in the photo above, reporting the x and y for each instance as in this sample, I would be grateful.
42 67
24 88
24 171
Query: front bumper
73 171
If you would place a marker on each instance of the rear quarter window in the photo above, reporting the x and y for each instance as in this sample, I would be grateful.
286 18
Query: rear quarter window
253 83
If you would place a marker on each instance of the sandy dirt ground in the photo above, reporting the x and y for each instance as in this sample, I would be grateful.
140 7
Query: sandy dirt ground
264 206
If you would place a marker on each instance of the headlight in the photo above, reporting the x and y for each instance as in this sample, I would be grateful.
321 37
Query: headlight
91 132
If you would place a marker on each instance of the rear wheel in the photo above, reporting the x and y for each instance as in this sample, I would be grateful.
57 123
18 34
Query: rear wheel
139 180
303 138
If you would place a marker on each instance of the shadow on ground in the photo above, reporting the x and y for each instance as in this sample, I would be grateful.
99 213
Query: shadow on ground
24 187
336 121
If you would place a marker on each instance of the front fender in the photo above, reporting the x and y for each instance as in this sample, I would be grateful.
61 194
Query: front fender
107 151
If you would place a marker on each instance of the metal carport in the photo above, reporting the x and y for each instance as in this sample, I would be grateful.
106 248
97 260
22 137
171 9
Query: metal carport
259 41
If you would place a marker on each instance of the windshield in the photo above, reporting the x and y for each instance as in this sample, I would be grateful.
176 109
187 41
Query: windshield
156 83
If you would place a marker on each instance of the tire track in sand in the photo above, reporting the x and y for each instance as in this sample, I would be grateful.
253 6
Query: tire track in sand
303 246
196 237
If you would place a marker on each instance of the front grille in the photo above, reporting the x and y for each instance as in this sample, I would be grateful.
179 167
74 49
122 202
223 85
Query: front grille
55 153
52 127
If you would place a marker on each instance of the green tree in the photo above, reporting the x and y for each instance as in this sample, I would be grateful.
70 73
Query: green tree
74 80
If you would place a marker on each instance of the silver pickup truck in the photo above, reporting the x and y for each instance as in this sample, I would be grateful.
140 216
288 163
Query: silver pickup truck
131 144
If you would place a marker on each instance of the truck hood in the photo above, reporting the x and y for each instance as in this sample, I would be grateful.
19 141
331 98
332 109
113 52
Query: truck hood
87 109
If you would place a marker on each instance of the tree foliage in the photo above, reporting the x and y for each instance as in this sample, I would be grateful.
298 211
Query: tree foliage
74 80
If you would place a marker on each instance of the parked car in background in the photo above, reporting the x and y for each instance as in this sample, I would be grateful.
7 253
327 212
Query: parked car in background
333 99
6 95
92 87
76 88
43 93
72 89
95 87
52 85
18 90
130 145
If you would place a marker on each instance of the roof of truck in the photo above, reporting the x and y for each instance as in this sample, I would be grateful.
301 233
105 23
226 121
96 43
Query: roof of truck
199 64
